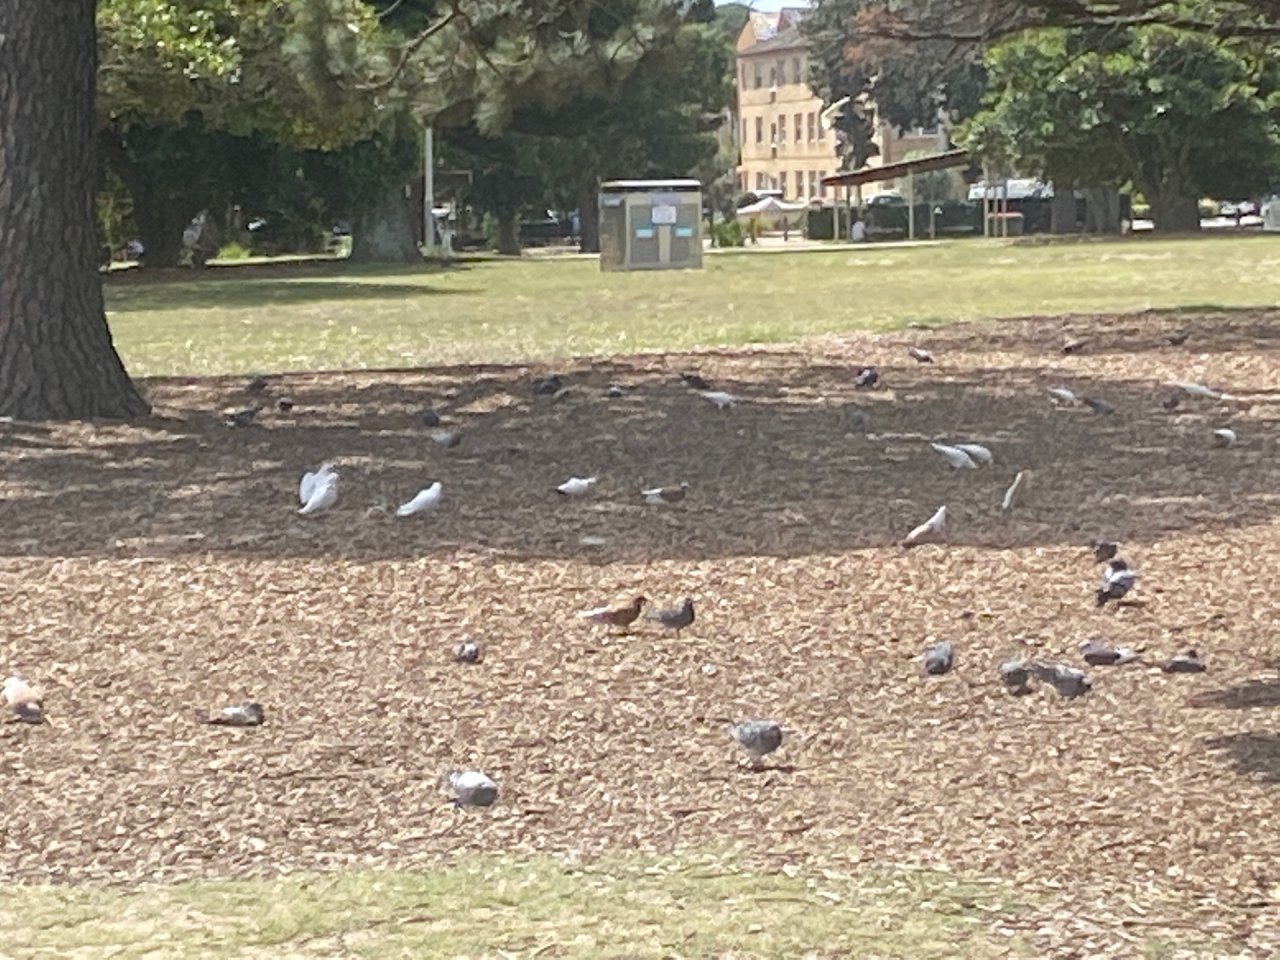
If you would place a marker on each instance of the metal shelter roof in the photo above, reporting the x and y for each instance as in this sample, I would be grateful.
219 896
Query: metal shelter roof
892 171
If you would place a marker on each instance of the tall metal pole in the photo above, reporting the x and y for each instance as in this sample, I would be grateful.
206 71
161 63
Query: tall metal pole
428 190
911 204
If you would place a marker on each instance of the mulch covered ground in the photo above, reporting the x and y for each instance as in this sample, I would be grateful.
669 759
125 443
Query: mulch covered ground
152 569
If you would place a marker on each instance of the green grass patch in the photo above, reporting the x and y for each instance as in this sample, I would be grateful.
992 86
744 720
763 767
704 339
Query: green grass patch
335 316
623 908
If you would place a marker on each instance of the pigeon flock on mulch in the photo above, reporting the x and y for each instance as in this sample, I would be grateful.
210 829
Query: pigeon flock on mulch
966 598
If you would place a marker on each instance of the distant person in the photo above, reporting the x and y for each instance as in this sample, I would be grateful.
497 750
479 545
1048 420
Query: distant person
858 232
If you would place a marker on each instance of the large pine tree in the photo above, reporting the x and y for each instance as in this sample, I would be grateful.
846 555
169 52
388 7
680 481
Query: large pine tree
57 360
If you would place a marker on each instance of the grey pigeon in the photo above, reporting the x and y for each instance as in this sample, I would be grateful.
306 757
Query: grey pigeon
1171 402
1117 581
1096 653
247 714
23 700
257 383
284 404
1188 662
429 417
242 417
920 354
615 392
1177 339
1098 406
758 737
675 618
1068 681
546 386
1103 550
471 788
1016 677
468 652
695 382
939 658
446 438
865 377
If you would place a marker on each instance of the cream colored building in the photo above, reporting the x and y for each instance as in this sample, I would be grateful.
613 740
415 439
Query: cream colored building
781 143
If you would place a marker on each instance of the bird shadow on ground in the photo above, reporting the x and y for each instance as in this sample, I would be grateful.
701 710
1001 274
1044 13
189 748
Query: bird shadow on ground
804 462
1253 754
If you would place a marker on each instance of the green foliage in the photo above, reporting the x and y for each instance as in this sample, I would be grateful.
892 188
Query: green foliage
1177 114
729 233
903 83
233 251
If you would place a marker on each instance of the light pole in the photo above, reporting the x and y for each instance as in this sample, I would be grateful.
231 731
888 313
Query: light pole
428 191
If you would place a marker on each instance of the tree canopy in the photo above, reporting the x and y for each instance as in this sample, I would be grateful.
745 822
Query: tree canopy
1178 114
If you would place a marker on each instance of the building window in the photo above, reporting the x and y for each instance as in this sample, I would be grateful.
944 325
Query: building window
813 183
744 131
782 182
759 129
773 77
796 74
822 187
760 181
809 126
782 128
744 76
757 75
773 135
782 72
799 128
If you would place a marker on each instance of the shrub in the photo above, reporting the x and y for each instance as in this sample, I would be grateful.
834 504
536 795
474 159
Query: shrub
729 233
233 251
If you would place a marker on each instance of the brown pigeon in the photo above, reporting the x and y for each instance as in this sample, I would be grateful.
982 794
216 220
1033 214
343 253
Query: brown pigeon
618 615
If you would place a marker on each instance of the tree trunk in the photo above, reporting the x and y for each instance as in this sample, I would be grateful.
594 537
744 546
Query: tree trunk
509 233
1173 213
161 224
386 233
1062 211
57 360
1101 210
589 220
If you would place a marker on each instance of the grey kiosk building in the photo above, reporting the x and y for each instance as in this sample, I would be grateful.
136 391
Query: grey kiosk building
650 225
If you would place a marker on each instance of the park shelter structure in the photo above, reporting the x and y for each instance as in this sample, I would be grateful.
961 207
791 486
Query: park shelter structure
908 169
650 225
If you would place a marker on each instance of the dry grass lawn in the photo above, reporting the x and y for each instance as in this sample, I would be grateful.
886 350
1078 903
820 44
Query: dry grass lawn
160 567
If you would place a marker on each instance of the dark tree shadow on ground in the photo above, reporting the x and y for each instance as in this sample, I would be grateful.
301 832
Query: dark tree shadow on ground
1252 754
804 464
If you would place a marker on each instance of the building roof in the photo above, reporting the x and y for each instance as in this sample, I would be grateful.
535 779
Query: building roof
892 171
787 39
762 27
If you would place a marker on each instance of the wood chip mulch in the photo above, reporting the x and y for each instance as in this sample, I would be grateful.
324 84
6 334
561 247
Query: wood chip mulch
153 569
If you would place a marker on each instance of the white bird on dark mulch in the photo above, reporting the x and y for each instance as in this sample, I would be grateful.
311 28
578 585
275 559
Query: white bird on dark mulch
932 530
576 486
426 500
318 491
956 458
